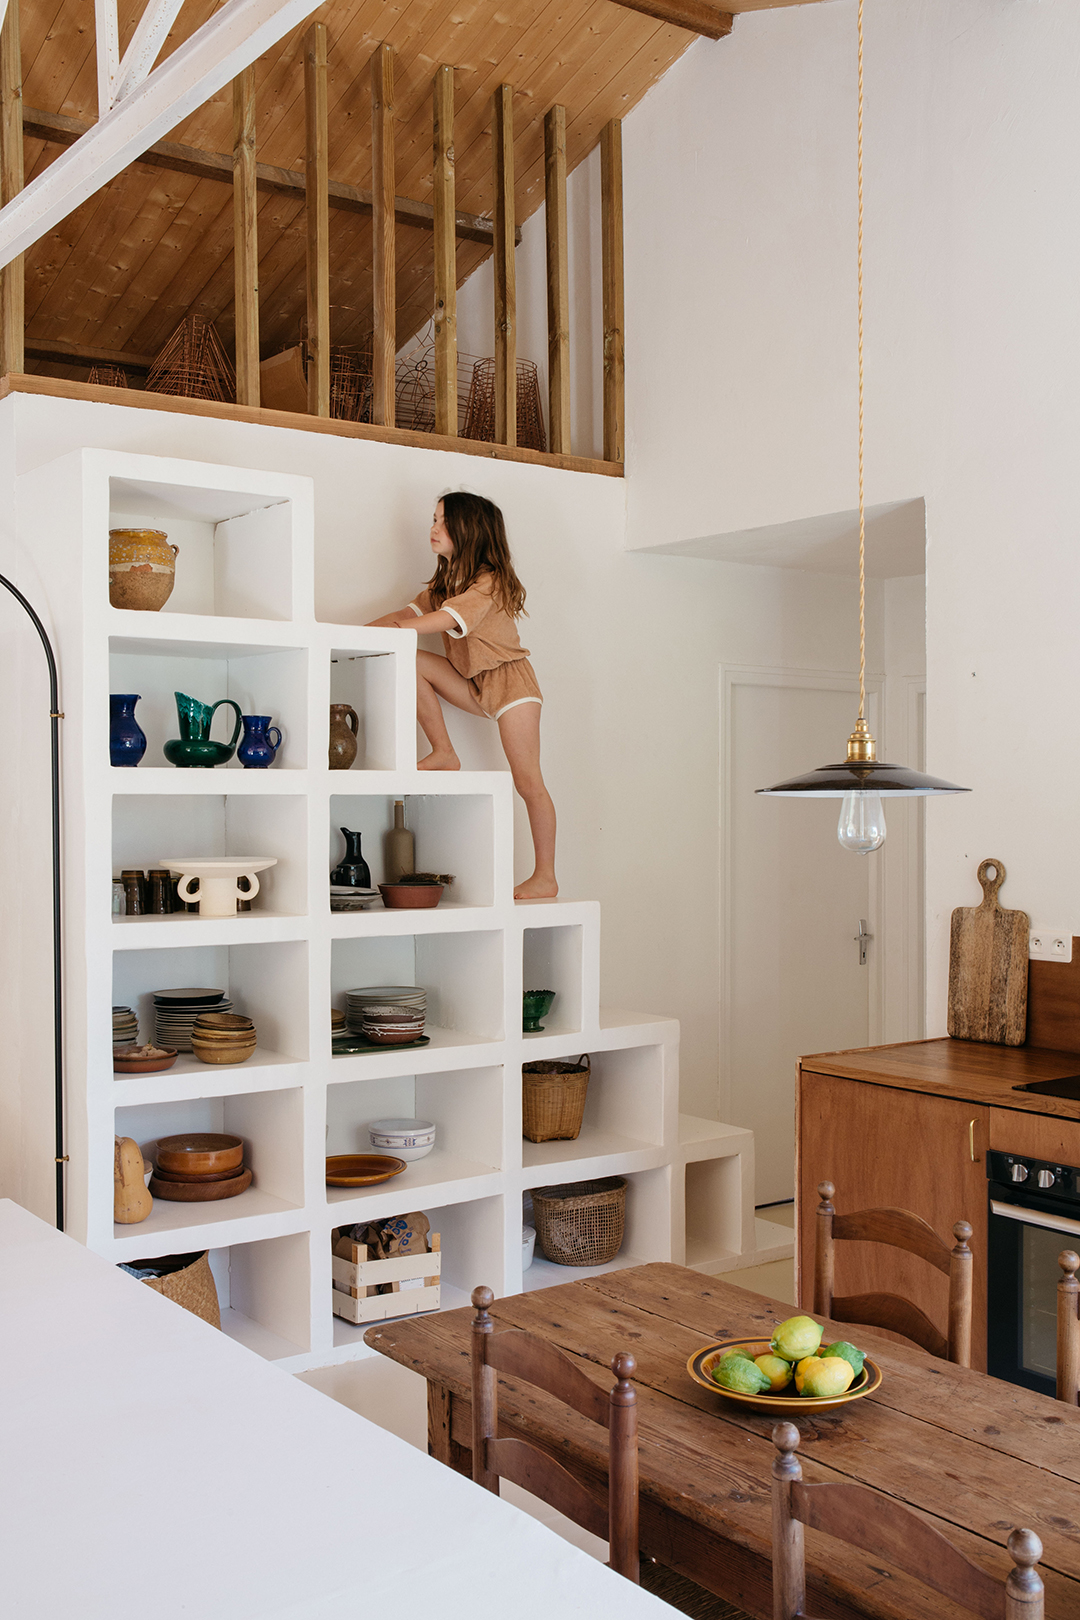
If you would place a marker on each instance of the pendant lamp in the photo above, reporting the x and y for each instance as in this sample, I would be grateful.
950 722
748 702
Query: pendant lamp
862 780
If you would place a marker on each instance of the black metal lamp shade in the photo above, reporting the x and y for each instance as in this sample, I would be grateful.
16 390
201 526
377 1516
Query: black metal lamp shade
862 776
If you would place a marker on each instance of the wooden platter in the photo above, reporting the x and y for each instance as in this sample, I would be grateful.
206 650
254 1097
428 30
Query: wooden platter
200 1192
988 967
361 1169
783 1403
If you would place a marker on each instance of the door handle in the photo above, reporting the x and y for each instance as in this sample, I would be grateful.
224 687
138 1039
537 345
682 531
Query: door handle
971 1142
862 939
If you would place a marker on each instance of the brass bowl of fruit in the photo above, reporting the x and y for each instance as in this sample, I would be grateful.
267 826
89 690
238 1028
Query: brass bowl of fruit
790 1373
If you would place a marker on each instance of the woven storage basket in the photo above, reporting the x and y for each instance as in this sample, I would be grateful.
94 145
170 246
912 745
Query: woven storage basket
190 1285
581 1223
553 1100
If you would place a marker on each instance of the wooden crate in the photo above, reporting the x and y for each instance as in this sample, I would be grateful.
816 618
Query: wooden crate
414 1279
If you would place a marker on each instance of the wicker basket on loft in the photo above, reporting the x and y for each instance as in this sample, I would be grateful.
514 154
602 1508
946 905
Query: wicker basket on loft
194 363
108 376
480 411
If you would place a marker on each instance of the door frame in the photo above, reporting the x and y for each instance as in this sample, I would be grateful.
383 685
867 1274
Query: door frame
735 675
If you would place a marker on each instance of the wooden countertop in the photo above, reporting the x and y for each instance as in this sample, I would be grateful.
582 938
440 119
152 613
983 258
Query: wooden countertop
973 1071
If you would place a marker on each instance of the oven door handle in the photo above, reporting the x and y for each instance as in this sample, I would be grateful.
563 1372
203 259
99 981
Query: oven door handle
1032 1217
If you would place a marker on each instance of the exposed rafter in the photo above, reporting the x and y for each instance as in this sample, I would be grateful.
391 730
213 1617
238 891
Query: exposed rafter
699 16
233 37
145 46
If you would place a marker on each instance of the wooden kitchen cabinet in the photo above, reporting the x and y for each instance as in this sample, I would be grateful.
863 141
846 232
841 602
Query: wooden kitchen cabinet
882 1147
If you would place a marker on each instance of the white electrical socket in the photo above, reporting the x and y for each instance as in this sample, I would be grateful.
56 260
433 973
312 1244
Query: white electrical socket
1050 945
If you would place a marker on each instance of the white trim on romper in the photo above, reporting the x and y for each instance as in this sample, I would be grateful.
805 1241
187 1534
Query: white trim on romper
418 611
516 704
456 635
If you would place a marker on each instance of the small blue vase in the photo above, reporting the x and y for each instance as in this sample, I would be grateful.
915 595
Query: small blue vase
257 750
127 739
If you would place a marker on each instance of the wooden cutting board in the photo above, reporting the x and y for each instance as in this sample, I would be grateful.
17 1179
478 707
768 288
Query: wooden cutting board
988 967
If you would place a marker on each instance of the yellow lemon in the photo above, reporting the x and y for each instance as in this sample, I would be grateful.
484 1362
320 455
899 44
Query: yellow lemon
823 1377
796 1338
776 1370
800 1371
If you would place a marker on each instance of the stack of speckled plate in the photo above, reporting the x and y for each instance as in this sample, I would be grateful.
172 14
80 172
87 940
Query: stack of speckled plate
125 1027
409 997
175 1012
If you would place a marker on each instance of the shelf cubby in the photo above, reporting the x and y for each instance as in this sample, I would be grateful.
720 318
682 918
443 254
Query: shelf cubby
453 833
552 960
261 679
713 1210
264 1292
647 1236
461 972
368 682
465 1105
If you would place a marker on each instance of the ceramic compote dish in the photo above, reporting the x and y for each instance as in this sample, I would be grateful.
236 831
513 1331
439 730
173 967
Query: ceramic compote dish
218 878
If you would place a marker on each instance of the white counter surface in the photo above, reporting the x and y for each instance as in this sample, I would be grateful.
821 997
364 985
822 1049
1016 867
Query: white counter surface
152 1469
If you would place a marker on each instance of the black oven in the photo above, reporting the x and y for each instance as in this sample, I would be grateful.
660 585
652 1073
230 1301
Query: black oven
1034 1214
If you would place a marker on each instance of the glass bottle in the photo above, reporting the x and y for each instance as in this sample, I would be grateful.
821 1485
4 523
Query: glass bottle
400 856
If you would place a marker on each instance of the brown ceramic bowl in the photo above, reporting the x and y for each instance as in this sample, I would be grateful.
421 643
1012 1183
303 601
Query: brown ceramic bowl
240 1037
122 1064
200 1152
410 896
395 1035
223 1023
221 1054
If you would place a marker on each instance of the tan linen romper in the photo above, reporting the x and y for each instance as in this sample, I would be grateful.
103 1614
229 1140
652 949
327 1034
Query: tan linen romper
485 648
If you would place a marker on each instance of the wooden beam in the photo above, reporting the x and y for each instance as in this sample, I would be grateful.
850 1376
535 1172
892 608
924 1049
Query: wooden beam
82 354
699 16
150 35
107 47
12 283
318 221
502 143
611 211
60 130
384 258
245 240
442 134
558 281
238 33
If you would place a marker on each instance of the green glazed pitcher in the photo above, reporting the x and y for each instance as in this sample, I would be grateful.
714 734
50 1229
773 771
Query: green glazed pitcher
194 745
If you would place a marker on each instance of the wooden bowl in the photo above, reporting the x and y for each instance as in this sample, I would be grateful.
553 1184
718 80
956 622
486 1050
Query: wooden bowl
186 1176
785 1403
410 896
361 1169
200 1152
199 1192
133 1065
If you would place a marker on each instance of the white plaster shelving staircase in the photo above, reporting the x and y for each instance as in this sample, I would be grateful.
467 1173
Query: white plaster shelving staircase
241 623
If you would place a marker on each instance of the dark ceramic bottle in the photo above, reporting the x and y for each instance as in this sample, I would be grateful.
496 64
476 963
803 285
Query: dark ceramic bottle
353 871
257 749
127 739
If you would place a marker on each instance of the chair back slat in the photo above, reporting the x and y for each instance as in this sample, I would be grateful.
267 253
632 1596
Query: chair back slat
887 1530
893 1312
518 1354
899 1228
541 1475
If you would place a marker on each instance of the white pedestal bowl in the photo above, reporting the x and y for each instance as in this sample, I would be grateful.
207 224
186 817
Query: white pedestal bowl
218 876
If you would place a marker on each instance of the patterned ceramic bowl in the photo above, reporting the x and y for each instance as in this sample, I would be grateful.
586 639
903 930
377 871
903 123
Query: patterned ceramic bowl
407 1138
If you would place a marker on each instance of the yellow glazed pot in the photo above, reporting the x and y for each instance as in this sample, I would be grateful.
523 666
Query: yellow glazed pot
142 567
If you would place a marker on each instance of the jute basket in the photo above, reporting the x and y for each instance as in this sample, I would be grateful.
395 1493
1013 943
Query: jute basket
553 1099
190 1285
581 1223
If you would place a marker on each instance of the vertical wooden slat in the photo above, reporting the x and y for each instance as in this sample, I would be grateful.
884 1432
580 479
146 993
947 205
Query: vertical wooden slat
384 267
445 201
502 142
611 205
245 239
317 179
11 182
558 281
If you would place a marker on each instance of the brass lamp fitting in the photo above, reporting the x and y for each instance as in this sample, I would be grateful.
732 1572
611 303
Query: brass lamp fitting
860 745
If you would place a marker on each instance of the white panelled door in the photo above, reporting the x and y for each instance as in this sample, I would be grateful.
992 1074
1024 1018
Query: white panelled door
793 900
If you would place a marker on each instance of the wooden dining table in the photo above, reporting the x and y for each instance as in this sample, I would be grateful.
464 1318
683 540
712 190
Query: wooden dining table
971 1454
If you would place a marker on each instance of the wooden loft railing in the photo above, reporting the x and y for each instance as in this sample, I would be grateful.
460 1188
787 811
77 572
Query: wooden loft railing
242 169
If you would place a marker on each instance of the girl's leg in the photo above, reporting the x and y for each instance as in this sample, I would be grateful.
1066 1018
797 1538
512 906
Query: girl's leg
519 729
437 678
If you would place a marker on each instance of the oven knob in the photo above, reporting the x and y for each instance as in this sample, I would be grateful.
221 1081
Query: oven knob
1046 1178
1019 1172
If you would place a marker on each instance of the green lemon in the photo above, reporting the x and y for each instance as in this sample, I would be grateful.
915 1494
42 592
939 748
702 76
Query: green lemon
818 1377
740 1374
776 1370
796 1338
738 1352
847 1351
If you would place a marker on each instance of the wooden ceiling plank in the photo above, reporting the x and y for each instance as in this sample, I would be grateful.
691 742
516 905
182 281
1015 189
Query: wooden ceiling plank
697 16
88 356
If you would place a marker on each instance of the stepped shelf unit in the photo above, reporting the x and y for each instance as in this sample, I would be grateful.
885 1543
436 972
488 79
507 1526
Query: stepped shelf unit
241 624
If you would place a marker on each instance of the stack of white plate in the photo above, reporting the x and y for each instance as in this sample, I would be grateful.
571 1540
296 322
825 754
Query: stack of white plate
125 1027
175 1012
409 997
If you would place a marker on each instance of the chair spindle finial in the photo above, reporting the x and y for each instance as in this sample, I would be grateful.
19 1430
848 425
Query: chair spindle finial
786 1464
826 1192
482 1299
962 1232
624 1366
1069 1262
1024 1588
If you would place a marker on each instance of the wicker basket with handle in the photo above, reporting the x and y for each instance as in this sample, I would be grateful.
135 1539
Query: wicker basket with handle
553 1099
190 1284
581 1223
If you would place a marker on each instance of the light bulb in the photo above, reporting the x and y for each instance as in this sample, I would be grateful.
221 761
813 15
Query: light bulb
862 821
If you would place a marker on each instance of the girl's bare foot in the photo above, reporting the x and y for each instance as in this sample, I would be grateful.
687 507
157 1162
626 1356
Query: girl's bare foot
440 759
538 887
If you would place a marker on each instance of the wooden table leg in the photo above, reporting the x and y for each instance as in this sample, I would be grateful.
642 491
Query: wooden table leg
441 1444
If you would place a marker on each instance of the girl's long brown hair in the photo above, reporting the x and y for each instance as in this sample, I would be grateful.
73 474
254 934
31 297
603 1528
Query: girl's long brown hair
476 527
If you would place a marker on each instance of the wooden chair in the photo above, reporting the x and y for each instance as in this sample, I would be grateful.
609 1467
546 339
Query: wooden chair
901 1230
1068 1329
517 1354
886 1530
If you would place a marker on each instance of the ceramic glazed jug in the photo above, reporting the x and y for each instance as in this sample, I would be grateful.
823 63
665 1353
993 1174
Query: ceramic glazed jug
194 745
127 739
342 736
257 748
353 872
142 568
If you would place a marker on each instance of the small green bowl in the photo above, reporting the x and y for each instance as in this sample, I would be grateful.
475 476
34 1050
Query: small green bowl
536 1004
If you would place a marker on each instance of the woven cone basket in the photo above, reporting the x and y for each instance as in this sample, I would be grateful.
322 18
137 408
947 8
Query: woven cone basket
192 1287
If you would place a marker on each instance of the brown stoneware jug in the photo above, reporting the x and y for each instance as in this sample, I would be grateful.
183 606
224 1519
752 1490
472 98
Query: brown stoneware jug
342 736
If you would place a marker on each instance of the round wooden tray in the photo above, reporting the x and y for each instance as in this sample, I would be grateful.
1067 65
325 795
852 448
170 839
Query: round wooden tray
785 1403
361 1169
200 1151
129 1065
200 1192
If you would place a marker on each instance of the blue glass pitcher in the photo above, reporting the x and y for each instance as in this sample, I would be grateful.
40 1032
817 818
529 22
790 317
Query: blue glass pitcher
127 739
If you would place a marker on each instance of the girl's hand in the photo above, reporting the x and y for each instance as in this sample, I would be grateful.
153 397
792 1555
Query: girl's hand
402 619
426 624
